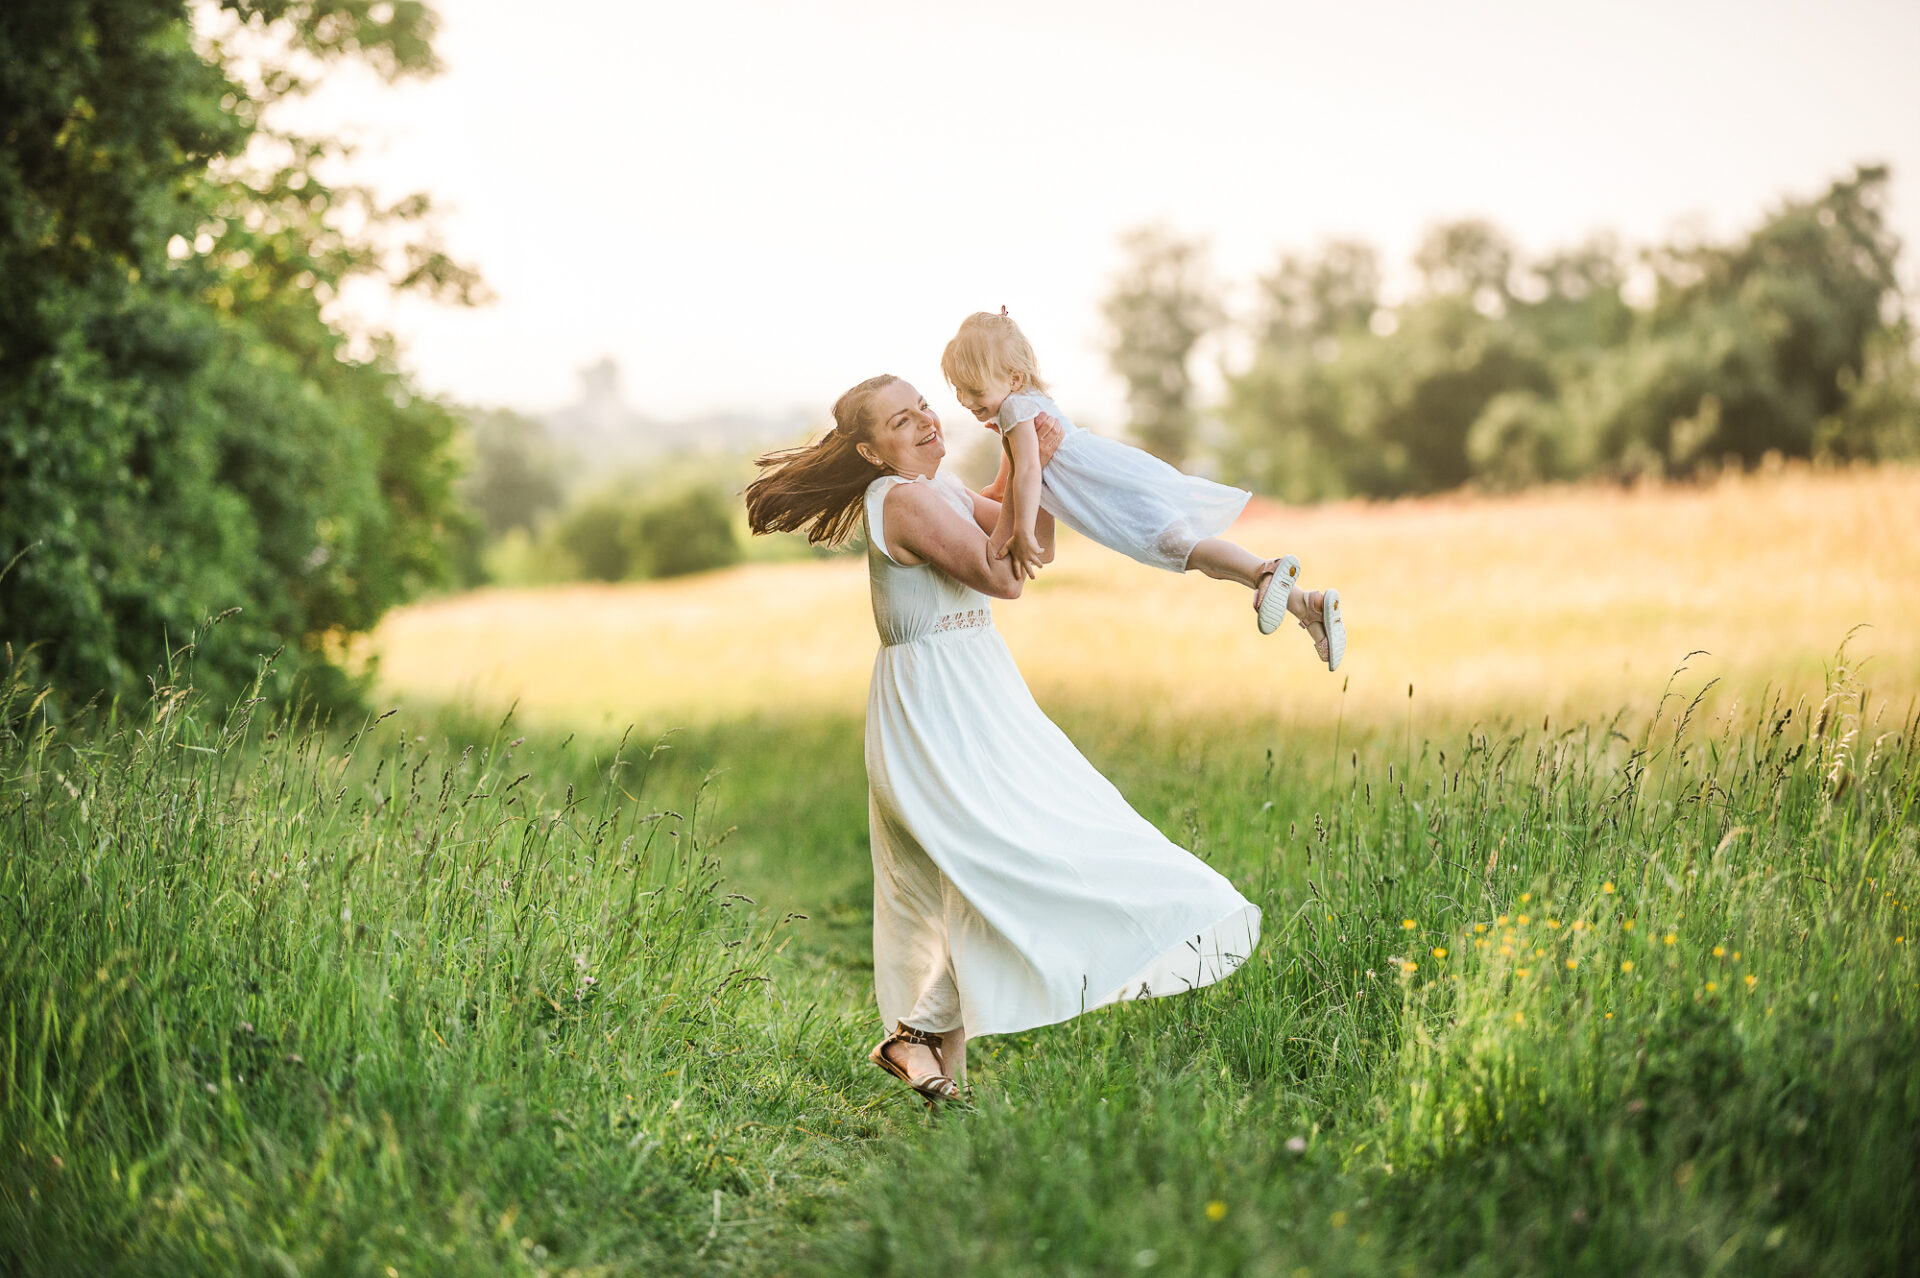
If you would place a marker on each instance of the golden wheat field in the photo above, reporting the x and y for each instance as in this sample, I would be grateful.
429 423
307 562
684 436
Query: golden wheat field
1563 601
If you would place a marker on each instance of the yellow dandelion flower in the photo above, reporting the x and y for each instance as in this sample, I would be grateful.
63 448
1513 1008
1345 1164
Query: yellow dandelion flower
1478 928
1216 1210
1579 925
1408 924
1519 1018
1626 965
1628 925
1479 942
1525 897
1539 953
1712 986
1522 972
1553 923
1338 1220
1572 963
1506 951
1719 951
1752 980
1501 921
1609 1015
1522 920
1607 887
1671 937
1439 951
1736 956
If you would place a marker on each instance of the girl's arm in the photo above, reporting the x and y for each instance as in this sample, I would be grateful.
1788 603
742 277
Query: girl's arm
1017 537
922 528
1047 428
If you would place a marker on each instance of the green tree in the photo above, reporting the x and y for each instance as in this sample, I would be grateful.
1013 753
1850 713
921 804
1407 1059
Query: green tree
1160 307
182 431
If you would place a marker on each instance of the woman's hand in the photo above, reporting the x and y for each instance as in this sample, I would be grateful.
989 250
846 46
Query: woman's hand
1047 429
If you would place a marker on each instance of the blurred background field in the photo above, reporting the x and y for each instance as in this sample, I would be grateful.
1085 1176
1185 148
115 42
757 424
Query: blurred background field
1564 600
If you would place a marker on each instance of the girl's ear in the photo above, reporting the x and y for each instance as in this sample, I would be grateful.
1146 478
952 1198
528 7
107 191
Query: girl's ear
1018 381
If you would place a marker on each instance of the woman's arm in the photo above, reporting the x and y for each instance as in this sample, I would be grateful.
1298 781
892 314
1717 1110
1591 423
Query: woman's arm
922 528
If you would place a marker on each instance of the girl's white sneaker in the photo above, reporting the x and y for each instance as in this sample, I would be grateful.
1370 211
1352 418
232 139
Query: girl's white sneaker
1270 595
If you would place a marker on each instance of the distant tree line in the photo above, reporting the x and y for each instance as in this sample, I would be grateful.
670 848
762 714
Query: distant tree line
1499 371
544 516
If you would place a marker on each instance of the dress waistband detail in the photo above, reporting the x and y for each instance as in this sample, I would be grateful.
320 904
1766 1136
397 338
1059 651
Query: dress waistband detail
951 624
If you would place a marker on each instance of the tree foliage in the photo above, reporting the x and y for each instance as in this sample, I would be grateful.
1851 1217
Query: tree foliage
183 429
1792 340
1159 309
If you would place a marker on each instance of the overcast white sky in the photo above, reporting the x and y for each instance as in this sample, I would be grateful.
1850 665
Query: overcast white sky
754 205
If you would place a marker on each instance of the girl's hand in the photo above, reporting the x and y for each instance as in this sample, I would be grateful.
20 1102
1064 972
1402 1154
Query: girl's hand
1024 550
1046 429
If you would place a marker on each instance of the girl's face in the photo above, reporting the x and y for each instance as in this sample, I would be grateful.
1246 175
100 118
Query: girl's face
906 436
985 403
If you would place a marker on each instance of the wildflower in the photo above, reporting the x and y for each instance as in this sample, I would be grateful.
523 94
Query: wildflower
1522 920
1579 925
1628 925
1479 942
1409 967
1338 1220
1478 928
1502 920
1216 1210
1736 956
1525 897
1408 924
1506 951
1296 1144
1752 980
1609 1015
1572 963
1671 937
1553 923
1712 986
1719 951
1522 973
1539 953
1439 951
1519 1018
1607 887
1626 965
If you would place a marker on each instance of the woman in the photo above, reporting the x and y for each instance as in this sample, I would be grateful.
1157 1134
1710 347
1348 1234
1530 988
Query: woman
1012 885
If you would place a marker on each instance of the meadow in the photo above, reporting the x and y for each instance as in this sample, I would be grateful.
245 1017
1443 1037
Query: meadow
1570 962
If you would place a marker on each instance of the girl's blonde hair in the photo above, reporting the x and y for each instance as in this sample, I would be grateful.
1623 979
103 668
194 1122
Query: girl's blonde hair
990 348
819 488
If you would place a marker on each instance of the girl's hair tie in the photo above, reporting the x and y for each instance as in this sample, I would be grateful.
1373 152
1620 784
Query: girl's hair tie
1003 310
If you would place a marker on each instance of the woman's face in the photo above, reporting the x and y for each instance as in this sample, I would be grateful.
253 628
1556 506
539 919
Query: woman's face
906 436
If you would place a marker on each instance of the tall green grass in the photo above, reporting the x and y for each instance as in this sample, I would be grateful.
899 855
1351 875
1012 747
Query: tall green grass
279 1001
429 997
1540 1002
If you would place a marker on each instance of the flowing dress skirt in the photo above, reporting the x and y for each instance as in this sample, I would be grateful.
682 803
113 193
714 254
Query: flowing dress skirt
1013 885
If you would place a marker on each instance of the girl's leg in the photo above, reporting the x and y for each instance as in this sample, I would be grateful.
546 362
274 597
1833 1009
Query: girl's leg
1224 561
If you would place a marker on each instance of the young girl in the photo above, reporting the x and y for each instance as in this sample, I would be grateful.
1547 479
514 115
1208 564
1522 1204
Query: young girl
1123 498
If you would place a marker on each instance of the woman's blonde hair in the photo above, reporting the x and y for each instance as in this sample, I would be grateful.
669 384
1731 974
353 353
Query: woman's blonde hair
990 348
820 487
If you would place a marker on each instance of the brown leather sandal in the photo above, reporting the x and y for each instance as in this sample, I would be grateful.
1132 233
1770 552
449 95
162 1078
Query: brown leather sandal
936 1088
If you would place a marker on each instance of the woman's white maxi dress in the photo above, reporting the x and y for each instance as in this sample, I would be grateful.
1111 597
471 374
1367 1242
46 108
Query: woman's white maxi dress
1012 884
